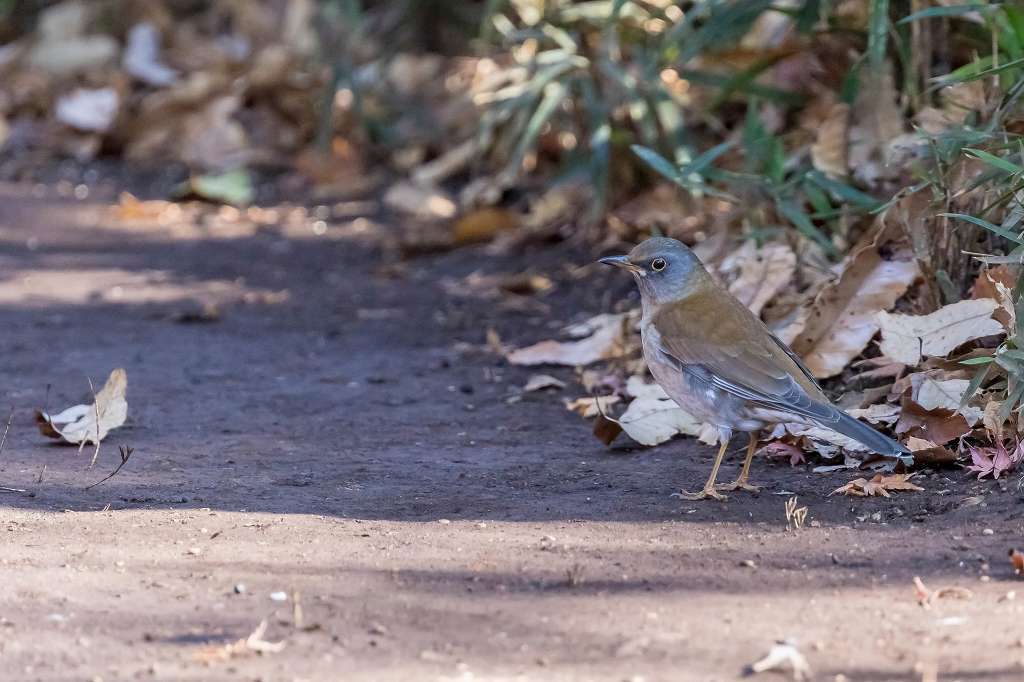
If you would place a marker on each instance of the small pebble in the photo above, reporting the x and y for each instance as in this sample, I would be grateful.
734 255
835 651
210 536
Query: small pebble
278 596
444 522
195 551
988 531
748 563
239 588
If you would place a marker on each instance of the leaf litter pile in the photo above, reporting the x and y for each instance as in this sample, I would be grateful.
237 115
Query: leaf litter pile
861 327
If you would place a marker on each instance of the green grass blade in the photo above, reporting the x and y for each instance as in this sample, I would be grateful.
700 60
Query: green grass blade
995 161
947 11
975 383
795 215
1006 234
971 72
878 32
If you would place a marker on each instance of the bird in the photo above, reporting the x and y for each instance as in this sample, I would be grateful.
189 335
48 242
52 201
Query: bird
718 361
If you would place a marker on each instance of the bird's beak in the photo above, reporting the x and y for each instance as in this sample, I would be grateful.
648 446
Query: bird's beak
619 262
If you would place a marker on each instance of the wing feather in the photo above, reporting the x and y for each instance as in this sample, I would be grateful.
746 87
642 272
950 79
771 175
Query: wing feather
739 355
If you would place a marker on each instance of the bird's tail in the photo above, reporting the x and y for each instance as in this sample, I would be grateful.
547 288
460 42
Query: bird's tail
867 436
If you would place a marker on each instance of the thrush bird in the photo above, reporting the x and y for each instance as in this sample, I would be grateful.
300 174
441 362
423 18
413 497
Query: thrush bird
720 363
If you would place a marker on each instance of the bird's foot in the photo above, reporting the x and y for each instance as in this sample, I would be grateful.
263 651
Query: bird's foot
739 484
702 495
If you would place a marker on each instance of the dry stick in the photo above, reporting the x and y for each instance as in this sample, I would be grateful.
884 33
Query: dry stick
96 405
3 441
126 454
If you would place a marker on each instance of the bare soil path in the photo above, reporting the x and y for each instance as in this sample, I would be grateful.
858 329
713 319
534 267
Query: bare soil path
328 438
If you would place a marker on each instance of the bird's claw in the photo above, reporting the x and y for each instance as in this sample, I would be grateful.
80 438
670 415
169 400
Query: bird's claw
739 485
702 495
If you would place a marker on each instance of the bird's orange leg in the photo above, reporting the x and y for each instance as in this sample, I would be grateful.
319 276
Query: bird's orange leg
709 487
741 482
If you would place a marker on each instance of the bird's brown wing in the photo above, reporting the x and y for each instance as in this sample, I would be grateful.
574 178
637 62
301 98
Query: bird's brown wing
713 335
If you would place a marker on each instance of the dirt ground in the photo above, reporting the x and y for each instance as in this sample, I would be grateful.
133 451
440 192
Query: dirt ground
341 435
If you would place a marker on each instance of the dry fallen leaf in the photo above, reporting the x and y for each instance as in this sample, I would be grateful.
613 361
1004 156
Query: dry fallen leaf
875 122
422 201
607 340
1017 559
995 460
78 424
910 338
254 643
763 273
882 413
539 382
938 425
880 485
91 111
931 393
591 407
997 283
781 449
482 224
653 417
819 435
925 597
782 654
927 453
141 57
829 151
993 420
842 317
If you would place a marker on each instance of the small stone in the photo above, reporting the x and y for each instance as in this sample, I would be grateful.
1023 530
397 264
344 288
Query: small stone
278 596
239 588
748 563
378 629
988 531
444 522
195 551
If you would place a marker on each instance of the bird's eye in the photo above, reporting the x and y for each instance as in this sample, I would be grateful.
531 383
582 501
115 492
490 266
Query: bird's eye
658 264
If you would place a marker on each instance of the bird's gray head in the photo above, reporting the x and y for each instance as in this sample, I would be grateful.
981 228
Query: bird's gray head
665 269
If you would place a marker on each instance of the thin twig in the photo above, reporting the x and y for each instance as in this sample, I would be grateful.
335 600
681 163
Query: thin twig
126 453
96 405
3 440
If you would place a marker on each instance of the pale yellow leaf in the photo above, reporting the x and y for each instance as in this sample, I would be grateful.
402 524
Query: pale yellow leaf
843 318
539 382
931 393
81 424
829 151
590 407
909 338
606 341
653 417
762 273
